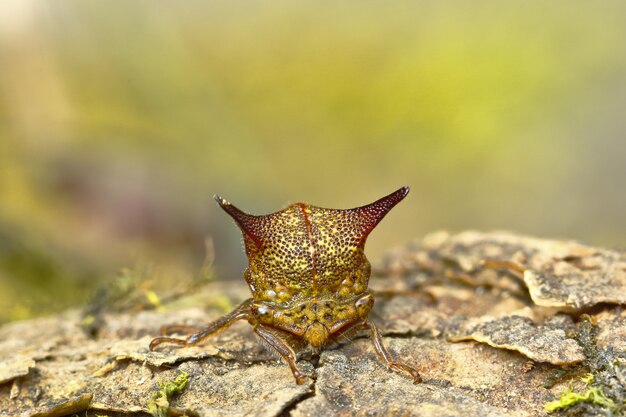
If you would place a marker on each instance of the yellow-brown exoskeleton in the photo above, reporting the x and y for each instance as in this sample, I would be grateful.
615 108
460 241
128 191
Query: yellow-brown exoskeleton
308 275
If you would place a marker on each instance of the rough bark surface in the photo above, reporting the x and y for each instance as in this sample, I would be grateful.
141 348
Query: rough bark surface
498 324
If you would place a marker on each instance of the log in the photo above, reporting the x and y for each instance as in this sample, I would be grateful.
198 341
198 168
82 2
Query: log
498 325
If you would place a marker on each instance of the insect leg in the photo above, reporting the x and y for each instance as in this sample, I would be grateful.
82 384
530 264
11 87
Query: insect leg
384 355
239 313
276 341
176 328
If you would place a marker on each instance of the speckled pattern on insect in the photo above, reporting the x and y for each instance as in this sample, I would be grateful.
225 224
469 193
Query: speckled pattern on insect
308 275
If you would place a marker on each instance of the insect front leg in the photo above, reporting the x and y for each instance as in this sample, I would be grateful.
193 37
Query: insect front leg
384 355
177 328
276 340
242 312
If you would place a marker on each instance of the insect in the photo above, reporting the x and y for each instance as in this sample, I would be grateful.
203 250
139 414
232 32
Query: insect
308 275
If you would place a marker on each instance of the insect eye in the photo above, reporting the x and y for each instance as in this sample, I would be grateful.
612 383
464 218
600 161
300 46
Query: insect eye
364 302
263 311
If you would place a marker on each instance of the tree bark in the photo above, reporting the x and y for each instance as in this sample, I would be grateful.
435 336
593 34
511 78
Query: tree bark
497 324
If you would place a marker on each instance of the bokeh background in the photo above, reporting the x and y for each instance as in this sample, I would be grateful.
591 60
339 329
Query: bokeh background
120 120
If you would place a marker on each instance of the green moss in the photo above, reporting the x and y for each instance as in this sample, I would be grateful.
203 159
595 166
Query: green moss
602 387
87 321
568 398
159 402
153 299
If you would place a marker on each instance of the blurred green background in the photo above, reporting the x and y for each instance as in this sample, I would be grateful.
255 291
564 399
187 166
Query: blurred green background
120 120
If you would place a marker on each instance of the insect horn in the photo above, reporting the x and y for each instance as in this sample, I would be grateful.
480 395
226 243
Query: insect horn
370 215
246 222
